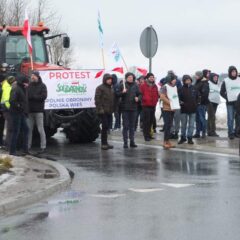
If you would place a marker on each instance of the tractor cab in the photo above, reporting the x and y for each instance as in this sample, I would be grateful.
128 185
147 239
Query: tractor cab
14 48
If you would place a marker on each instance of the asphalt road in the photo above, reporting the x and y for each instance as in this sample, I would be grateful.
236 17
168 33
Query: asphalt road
138 194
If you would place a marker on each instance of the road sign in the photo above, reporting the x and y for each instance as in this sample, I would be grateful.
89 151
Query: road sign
149 44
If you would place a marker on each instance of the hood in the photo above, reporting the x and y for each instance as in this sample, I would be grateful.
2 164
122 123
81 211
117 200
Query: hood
212 76
130 74
106 76
230 70
185 77
114 79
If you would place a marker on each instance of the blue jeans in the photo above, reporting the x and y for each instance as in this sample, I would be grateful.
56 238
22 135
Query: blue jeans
129 121
187 124
176 122
230 119
201 123
19 124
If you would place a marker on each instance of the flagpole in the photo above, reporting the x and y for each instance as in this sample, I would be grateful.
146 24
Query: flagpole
103 59
31 59
125 64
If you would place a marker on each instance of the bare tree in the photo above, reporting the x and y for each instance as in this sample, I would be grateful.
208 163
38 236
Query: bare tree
15 15
44 13
3 11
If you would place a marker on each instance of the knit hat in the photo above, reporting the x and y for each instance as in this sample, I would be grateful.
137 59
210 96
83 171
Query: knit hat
11 79
171 77
36 73
149 75
199 74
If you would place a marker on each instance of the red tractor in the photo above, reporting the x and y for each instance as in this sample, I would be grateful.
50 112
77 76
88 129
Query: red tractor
80 125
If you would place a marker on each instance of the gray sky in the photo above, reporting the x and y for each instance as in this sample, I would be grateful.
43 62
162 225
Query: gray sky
192 34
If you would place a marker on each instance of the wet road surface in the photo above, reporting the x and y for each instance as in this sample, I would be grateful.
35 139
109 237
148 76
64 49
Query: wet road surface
144 193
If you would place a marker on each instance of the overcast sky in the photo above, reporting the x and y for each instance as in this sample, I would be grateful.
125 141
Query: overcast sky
192 34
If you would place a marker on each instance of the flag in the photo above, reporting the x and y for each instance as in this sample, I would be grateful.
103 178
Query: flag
118 69
115 52
27 32
100 29
99 74
142 71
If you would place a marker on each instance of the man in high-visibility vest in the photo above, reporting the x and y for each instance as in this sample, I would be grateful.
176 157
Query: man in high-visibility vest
5 105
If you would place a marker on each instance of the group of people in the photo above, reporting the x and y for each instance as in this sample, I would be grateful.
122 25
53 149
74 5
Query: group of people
184 105
22 106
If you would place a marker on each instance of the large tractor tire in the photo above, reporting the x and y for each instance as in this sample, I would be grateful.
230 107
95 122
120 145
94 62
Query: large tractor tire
85 129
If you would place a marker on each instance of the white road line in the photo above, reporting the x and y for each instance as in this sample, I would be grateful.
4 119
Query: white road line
177 185
107 195
145 190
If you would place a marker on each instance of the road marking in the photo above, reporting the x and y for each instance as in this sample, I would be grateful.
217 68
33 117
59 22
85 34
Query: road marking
107 195
184 150
145 190
177 185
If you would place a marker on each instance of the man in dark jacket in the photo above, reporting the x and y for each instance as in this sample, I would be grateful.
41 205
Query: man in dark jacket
202 88
104 101
130 97
37 94
188 97
150 98
230 90
19 111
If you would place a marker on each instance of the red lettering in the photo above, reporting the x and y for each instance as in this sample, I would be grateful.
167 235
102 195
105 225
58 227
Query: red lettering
65 75
77 75
51 75
58 75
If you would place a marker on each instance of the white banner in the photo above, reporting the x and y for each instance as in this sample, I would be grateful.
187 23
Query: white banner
68 89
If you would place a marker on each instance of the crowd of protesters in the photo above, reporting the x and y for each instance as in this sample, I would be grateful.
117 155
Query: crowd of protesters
22 106
185 104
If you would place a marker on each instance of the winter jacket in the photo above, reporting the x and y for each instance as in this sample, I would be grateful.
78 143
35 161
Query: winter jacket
202 88
127 102
165 100
104 99
6 90
18 98
37 94
188 97
149 94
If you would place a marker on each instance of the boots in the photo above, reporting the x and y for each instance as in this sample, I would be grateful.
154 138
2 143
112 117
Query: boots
170 144
182 140
133 145
166 145
190 141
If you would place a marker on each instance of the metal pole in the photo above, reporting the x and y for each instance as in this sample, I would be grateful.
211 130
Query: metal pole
150 49
150 65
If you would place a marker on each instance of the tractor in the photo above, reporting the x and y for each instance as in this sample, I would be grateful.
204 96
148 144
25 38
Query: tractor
79 125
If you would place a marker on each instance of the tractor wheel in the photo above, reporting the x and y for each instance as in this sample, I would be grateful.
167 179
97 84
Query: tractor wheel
85 129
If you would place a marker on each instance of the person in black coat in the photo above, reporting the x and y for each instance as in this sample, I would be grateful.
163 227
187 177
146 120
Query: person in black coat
188 97
37 94
19 112
202 88
130 97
